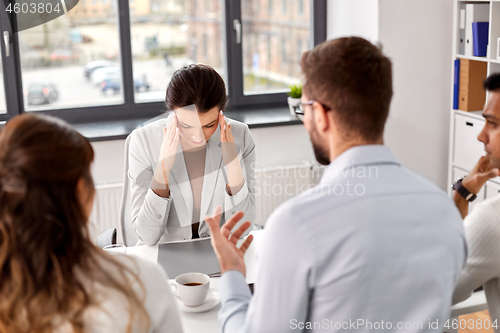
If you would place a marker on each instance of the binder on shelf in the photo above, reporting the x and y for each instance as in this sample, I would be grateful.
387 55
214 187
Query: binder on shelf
480 38
456 84
471 94
474 13
461 30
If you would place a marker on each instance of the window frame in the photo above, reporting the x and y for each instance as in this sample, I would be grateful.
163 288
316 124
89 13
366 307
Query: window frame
237 98
9 65
232 62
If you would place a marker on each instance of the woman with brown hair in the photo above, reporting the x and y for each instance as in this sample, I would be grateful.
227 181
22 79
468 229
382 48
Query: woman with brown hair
184 165
52 277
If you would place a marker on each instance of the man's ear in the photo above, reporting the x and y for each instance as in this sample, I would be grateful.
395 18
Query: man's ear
321 117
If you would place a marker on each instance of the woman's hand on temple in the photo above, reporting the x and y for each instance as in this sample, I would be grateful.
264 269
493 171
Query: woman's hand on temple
168 151
225 130
235 178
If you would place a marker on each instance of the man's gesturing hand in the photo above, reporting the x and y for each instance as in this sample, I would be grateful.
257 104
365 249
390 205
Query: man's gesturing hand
230 257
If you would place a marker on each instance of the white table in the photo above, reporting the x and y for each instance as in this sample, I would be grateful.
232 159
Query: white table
207 321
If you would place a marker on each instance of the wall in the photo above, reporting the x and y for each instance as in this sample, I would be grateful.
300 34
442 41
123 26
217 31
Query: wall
353 18
282 145
417 36
108 160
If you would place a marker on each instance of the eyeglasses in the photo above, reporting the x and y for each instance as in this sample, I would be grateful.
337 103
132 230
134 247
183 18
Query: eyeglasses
299 108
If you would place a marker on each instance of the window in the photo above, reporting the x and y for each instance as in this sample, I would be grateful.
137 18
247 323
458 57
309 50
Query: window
205 46
174 35
301 6
298 51
261 74
100 63
52 56
269 51
256 6
3 106
284 4
283 52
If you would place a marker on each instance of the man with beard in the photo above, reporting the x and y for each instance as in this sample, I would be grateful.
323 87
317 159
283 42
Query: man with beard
482 226
373 247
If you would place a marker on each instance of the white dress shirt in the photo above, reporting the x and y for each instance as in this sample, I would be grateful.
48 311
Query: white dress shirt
372 245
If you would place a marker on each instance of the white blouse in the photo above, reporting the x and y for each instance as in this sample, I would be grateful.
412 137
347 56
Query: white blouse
112 315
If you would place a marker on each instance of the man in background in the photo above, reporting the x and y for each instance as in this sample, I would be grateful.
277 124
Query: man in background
482 225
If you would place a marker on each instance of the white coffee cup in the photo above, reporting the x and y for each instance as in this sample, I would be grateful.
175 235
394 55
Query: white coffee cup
192 288
115 248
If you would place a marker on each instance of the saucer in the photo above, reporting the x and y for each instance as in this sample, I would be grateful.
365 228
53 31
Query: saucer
213 298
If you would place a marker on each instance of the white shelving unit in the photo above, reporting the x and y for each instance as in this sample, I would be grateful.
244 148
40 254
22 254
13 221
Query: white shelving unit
465 149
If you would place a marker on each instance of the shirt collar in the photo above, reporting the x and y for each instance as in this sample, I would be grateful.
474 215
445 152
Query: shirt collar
360 156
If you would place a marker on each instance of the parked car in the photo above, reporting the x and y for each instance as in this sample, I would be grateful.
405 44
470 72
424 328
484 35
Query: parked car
104 73
64 55
90 67
113 86
41 93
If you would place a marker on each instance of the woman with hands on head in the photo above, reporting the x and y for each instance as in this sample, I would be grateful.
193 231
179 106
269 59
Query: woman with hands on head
184 165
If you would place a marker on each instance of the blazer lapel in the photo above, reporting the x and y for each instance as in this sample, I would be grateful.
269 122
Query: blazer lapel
213 163
181 189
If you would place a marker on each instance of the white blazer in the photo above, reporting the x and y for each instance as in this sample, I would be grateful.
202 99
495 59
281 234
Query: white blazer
156 219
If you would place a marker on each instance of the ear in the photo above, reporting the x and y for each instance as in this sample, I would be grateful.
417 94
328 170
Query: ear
80 188
85 197
321 117
83 191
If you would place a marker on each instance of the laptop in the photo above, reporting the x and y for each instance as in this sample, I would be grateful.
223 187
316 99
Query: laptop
195 255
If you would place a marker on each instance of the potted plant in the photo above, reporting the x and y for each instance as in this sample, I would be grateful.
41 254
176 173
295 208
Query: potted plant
294 97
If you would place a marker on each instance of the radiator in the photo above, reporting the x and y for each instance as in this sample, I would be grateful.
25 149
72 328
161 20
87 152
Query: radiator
106 211
275 185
